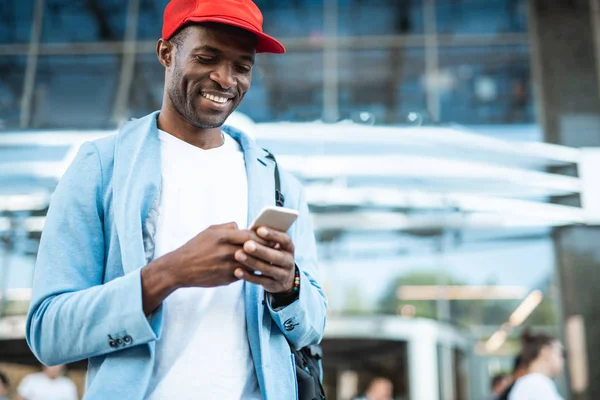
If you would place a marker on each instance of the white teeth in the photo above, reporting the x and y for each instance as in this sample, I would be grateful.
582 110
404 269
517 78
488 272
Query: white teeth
216 99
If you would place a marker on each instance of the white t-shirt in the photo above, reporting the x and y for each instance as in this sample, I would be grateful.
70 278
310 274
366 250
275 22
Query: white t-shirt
203 352
534 387
40 387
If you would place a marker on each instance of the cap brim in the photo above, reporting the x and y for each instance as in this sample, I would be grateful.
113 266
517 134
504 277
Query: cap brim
266 43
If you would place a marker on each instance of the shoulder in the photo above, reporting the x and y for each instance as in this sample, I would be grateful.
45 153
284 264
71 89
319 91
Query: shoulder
31 380
85 178
94 154
533 383
105 148
66 382
535 379
83 170
106 145
91 165
290 182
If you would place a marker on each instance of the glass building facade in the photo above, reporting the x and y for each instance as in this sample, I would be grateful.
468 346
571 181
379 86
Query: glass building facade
91 64
464 62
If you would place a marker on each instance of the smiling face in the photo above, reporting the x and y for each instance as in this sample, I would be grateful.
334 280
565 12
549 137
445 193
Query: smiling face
209 71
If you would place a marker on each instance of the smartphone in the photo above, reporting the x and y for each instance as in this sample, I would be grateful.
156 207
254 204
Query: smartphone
278 218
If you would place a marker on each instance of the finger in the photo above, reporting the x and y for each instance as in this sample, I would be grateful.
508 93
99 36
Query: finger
264 242
228 225
239 237
233 265
269 284
274 235
269 255
272 271
227 251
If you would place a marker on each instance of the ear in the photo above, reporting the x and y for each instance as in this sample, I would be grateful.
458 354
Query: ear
545 351
165 51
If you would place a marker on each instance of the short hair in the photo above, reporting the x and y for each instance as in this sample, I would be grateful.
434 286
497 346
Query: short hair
533 345
498 378
4 380
178 37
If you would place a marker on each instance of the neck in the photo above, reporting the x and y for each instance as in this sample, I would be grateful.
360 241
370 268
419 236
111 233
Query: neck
175 124
538 367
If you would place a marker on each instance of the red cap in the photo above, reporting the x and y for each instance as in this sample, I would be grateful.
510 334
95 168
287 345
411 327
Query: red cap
241 13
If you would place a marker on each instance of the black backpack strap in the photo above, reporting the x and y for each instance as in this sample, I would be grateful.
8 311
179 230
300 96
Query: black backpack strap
279 198
308 368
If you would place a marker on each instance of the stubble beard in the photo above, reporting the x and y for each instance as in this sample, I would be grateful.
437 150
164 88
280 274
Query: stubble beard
186 106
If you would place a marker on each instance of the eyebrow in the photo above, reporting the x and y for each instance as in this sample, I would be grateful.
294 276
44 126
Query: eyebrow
214 50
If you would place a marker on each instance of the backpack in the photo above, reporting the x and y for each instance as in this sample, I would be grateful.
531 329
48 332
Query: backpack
308 359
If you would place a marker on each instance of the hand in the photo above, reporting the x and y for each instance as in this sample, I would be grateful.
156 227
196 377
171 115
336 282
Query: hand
272 257
207 260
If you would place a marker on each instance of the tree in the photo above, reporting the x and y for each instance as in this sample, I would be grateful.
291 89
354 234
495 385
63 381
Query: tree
389 302
463 312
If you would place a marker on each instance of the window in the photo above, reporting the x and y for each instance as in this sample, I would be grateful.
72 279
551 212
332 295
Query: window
84 21
147 87
385 83
481 16
286 87
150 19
12 74
486 85
75 92
15 21
292 18
379 17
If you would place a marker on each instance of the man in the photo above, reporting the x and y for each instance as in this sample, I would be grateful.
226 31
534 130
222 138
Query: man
145 267
379 389
500 382
50 384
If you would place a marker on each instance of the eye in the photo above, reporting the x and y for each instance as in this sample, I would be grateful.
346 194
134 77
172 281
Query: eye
244 69
205 60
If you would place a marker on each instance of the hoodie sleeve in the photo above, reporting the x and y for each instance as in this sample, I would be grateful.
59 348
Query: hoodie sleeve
74 315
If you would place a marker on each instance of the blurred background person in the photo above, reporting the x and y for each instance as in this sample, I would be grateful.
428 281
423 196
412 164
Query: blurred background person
379 389
544 357
4 387
500 382
50 384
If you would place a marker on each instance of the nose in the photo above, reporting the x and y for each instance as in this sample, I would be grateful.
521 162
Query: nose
224 76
